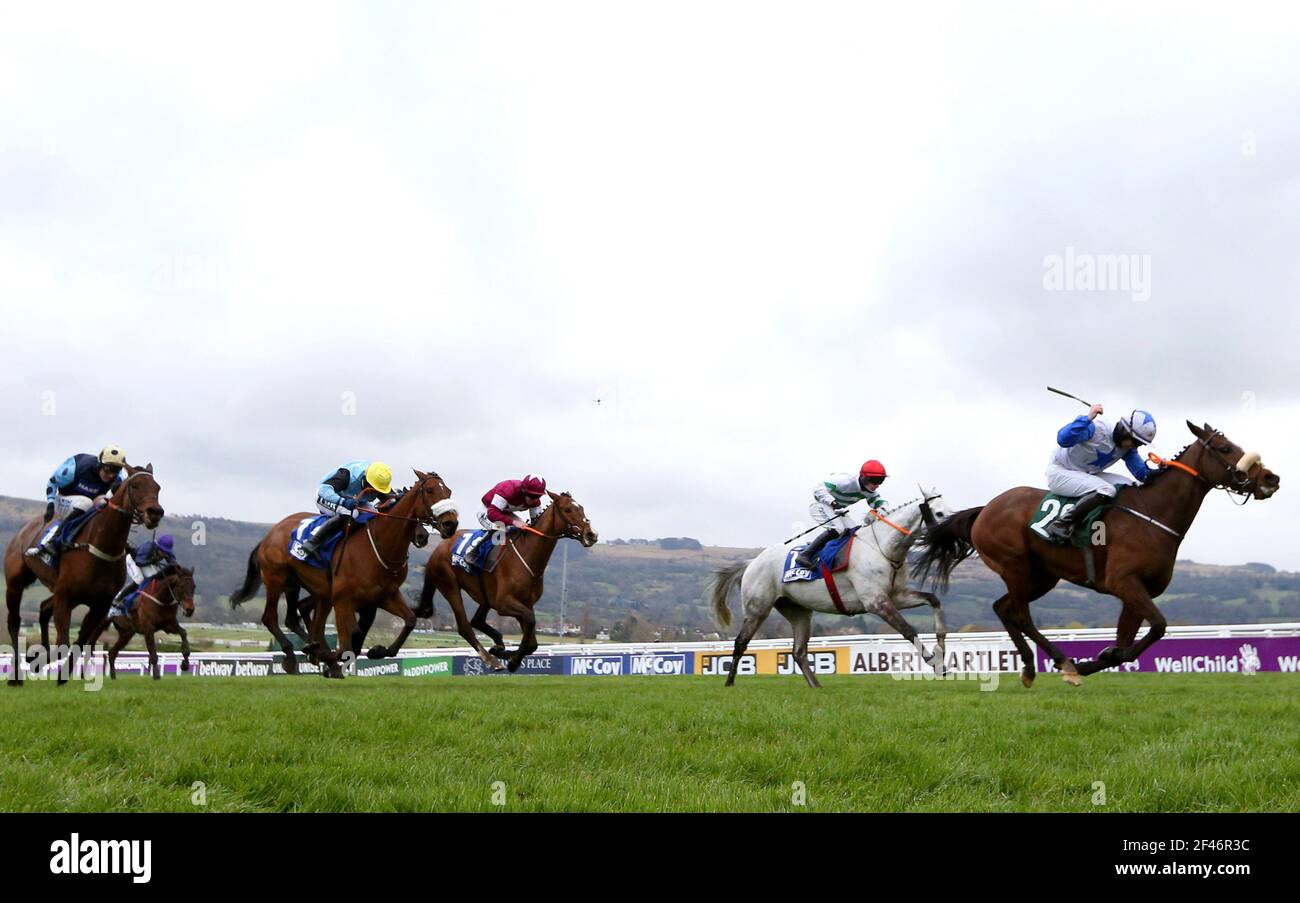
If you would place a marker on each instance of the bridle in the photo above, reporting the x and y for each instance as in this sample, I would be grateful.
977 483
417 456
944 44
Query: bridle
927 517
573 530
134 513
1235 481
170 583
435 511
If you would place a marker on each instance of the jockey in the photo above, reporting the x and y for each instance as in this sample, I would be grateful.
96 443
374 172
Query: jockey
509 496
1087 447
81 483
146 562
340 494
831 501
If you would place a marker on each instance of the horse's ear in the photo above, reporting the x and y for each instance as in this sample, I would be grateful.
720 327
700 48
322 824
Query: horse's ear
420 475
553 497
148 468
1196 430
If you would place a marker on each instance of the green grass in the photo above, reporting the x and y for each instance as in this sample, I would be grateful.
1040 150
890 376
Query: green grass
1158 742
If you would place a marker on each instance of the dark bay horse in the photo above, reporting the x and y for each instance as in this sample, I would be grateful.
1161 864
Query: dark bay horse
367 571
514 587
1135 563
89 573
155 609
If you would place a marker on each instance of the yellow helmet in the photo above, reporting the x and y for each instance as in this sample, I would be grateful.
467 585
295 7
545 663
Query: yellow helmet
380 476
112 456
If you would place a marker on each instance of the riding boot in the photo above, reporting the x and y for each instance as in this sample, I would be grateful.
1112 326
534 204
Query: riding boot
118 608
808 557
1063 526
327 529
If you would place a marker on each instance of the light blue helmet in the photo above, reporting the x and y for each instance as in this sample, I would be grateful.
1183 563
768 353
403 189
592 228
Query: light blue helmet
1140 425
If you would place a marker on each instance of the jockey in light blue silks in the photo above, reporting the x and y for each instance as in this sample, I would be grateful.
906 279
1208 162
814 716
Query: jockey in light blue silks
146 562
80 483
831 500
1087 446
340 493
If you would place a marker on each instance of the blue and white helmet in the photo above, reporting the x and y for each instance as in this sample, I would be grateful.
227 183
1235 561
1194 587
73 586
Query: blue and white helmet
1140 425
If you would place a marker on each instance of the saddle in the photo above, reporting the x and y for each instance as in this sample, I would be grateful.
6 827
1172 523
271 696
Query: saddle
1053 506
325 554
472 554
833 558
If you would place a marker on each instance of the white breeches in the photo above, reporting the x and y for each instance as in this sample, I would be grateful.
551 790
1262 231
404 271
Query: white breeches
66 504
821 512
1064 481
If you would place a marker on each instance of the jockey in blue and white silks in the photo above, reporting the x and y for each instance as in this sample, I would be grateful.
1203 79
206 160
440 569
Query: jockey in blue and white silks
831 501
78 484
340 493
154 557
1087 446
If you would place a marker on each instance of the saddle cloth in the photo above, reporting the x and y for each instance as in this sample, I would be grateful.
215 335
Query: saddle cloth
308 526
471 553
1053 506
834 557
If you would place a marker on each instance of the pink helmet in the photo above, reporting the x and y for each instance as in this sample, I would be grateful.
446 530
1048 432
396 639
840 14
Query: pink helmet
533 485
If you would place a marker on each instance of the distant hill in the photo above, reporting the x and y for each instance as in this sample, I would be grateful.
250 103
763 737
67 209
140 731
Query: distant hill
655 588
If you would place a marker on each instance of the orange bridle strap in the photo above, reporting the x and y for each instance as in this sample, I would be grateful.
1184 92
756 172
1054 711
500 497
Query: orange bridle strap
1155 459
887 521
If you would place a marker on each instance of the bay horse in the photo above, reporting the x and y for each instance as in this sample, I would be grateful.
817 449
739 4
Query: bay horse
367 570
515 585
875 582
88 573
1142 532
155 609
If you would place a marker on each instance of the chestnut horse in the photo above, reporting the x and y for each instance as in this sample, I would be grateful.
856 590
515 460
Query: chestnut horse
514 587
155 609
89 573
1142 532
367 571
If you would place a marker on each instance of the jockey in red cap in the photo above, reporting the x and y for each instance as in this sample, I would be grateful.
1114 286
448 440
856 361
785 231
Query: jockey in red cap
831 501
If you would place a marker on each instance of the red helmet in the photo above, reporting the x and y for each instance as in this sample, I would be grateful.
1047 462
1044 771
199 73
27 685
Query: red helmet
873 470
533 485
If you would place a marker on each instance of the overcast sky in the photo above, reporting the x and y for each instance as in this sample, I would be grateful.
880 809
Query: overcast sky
772 240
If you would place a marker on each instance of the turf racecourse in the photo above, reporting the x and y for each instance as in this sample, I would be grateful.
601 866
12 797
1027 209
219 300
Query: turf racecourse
1158 742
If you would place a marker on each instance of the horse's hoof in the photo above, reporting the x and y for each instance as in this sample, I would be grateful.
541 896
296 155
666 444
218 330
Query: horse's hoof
424 611
1027 678
185 666
1110 655
290 663
497 651
1071 677
377 652
15 682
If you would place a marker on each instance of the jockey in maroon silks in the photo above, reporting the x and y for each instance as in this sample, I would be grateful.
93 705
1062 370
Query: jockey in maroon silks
503 501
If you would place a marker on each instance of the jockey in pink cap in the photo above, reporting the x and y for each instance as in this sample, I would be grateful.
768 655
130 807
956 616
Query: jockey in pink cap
502 501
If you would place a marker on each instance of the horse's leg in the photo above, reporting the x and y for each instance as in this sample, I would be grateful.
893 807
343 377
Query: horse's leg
451 592
1138 607
800 620
1002 608
394 605
153 653
756 611
1125 632
13 601
47 612
62 609
271 621
480 623
912 598
345 622
185 646
883 607
292 616
365 621
124 635
527 623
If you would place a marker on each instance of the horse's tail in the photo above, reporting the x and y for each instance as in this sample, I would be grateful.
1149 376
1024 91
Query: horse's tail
720 589
943 547
252 580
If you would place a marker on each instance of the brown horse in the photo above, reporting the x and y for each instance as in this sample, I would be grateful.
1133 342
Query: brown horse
1142 533
367 571
155 609
89 573
514 587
